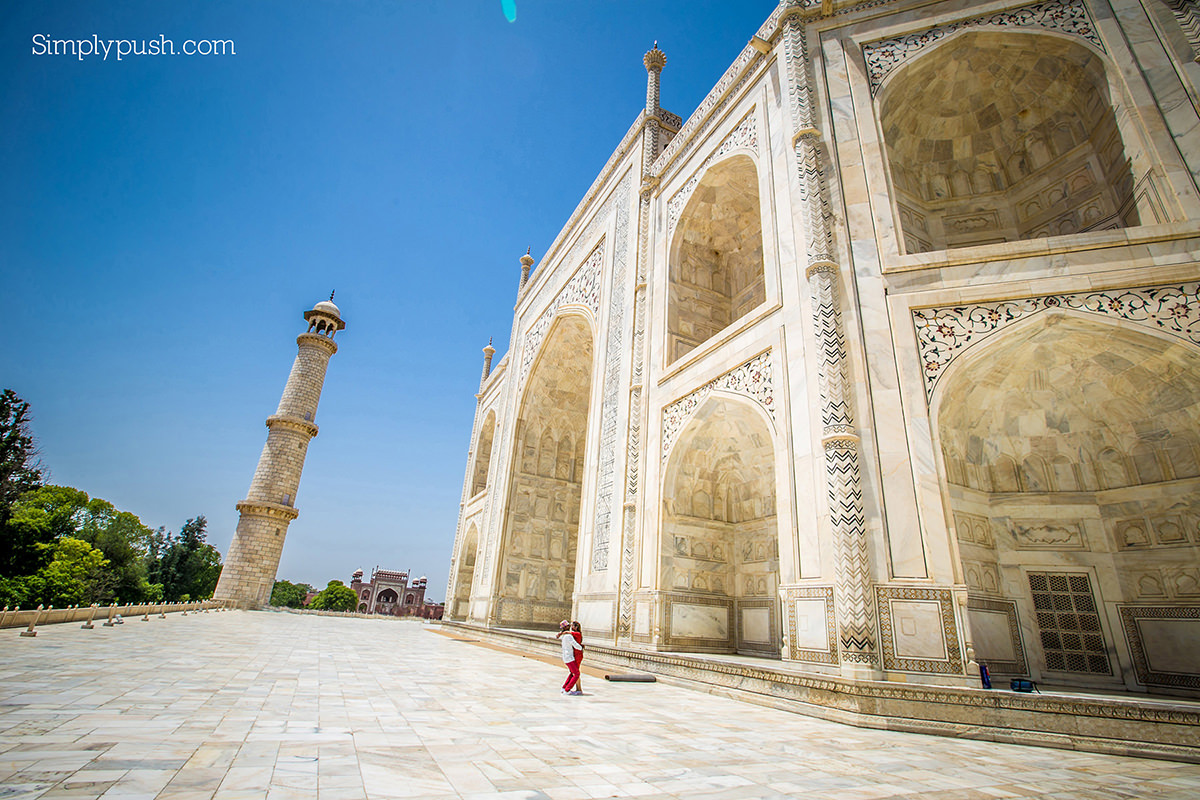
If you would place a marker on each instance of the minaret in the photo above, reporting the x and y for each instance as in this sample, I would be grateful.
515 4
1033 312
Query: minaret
249 572
526 265
654 60
488 352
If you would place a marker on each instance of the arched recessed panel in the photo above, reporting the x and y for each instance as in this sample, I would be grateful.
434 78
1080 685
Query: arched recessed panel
542 514
720 537
1000 136
1081 425
465 575
483 454
1092 399
716 272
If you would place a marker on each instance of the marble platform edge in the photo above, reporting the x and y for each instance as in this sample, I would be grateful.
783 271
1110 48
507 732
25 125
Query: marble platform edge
1162 728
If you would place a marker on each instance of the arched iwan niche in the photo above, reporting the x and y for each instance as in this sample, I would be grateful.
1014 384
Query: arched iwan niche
1070 448
483 454
720 537
716 273
996 137
465 574
541 527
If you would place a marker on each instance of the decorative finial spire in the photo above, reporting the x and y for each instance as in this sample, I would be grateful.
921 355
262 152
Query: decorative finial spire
526 264
488 352
331 295
655 59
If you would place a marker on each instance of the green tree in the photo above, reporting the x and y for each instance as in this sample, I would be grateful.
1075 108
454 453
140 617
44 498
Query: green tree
291 595
19 467
39 518
15 591
125 542
74 576
187 565
337 596
44 517
42 528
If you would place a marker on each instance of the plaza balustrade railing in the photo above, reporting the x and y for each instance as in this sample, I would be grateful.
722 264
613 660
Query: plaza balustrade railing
31 618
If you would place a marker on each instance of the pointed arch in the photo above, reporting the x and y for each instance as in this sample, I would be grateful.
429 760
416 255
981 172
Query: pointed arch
719 536
1073 415
483 454
535 581
716 274
1004 135
464 574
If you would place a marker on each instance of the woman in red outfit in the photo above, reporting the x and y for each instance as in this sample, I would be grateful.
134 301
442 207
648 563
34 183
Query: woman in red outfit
577 632
571 656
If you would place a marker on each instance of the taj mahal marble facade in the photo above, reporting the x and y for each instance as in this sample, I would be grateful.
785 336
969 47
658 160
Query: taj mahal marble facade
885 362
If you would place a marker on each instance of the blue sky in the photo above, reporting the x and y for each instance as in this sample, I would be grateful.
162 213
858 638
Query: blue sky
165 221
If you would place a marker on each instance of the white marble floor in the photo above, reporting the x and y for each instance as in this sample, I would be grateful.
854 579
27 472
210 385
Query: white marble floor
272 706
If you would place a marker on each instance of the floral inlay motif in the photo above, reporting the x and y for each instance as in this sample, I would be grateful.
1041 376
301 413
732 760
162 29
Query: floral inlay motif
582 289
1064 16
745 135
752 379
944 333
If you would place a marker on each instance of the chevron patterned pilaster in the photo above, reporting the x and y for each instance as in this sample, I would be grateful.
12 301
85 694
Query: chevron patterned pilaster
854 602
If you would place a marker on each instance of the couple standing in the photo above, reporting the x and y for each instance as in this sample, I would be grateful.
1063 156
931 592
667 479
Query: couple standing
571 636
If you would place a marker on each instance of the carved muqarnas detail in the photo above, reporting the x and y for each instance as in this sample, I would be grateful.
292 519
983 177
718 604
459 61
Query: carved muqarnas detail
1064 16
944 333
752 379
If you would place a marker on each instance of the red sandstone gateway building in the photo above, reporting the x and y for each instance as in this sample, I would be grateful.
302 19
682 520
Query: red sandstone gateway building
389 592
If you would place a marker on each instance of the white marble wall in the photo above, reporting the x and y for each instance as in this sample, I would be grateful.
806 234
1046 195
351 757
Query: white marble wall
935 547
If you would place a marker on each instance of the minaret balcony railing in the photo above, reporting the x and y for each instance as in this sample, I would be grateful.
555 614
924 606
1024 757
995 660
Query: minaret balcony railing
293 422
259 508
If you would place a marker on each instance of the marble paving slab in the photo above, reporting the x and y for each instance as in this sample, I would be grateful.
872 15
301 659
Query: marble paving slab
274 706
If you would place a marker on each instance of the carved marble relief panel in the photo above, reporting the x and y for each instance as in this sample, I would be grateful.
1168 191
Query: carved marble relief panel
919 633
973 529
1164 643
997 635
811 624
